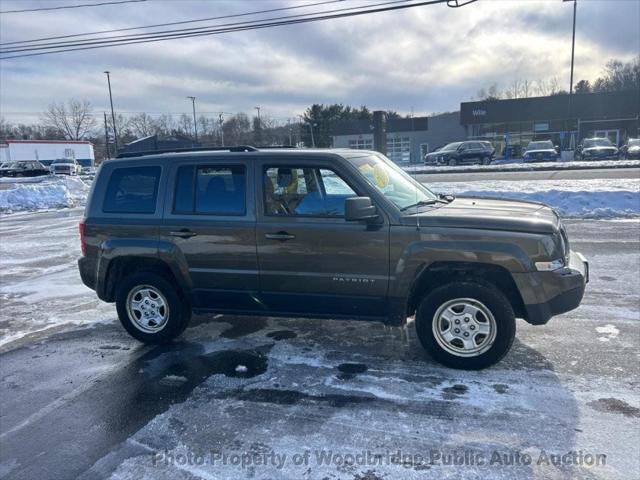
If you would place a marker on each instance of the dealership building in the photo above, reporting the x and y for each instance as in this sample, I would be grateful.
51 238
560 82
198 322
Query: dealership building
46 151
408 140
614 115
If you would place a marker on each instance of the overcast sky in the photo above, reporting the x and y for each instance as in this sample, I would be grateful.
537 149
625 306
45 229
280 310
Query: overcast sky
430 58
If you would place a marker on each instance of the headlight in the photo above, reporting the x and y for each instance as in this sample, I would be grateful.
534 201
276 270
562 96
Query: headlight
550 266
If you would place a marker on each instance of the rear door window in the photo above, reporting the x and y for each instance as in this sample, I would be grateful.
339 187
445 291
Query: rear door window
210 190
132 190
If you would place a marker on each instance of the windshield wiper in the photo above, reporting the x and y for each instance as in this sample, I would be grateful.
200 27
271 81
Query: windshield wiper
419 204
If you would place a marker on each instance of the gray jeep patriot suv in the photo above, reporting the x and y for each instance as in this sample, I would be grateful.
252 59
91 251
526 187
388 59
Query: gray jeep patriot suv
321 234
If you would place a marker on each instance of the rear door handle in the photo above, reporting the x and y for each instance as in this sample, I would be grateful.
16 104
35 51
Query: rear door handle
184 233
282 236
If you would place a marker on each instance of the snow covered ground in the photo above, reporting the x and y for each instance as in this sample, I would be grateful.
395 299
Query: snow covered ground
274 398
595 198
518 165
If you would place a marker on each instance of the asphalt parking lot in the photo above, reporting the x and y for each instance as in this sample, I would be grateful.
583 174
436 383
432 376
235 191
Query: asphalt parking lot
277 398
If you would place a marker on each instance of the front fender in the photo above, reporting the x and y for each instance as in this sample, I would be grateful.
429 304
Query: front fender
413 251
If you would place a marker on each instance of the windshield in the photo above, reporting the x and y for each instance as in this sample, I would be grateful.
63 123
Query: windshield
540 145
63 160
597 142
392 181
451 146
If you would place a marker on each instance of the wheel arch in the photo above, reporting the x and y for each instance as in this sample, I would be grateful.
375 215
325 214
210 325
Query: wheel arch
441 273
123 266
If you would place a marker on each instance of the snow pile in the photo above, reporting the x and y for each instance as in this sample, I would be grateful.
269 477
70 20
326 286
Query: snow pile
605 198
54 192
519 165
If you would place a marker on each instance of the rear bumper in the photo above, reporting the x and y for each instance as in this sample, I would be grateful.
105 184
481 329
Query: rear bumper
555 292
87 273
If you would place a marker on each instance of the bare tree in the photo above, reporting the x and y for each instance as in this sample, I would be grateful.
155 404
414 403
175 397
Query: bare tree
515 91
74 120
554 86
142 125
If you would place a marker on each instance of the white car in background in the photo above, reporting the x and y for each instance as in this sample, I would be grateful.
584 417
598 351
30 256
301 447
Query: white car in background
65 166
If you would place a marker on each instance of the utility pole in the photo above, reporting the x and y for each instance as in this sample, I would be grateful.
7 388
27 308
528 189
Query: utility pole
195 123
259 127
113 115
313 141
573 49
303 122
220 122
106 135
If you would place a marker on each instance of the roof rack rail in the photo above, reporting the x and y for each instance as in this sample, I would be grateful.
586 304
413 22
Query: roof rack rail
234 148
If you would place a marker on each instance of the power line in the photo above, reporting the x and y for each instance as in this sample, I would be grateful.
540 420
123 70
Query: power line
216 30
148 35
64 7
175 23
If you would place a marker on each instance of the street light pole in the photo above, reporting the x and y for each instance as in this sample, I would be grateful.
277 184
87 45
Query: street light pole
113 115
195 123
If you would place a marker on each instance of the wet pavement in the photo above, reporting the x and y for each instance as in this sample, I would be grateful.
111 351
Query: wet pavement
247 397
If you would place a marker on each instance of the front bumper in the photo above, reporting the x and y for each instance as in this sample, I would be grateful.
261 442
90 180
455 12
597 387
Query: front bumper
546 294
607 156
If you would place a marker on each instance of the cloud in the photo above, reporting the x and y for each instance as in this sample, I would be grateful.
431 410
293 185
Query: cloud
429 58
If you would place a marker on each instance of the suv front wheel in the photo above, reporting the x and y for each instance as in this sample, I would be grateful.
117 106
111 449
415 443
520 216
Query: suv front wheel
151 309
466 324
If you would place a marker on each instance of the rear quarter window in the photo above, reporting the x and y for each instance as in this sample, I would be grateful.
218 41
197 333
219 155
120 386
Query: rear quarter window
132 190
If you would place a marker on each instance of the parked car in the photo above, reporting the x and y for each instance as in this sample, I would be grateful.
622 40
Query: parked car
23 169
540 151
430 158
463 153
221 231
597 149
65 166
631 149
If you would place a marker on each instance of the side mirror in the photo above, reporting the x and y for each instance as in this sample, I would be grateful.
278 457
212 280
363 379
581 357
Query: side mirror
359 208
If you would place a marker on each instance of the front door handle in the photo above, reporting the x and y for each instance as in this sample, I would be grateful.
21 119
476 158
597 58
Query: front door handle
183 233
282 236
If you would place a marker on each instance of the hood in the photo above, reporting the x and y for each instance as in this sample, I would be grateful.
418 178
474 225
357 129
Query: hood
488 214
598 149
546 150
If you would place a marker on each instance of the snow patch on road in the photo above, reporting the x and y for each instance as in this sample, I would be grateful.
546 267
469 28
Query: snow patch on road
609 330
49 193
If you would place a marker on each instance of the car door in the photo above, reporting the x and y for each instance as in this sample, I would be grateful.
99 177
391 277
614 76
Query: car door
312 261
464 151
474 152
209 222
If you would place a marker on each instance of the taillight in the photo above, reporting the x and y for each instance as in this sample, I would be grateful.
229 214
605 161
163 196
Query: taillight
83 243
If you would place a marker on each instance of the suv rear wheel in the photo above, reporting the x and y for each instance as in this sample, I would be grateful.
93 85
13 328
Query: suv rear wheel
466 324
151 309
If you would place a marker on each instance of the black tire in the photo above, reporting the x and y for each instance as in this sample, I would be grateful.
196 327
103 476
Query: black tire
485 293
453 162
179 309
486 161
